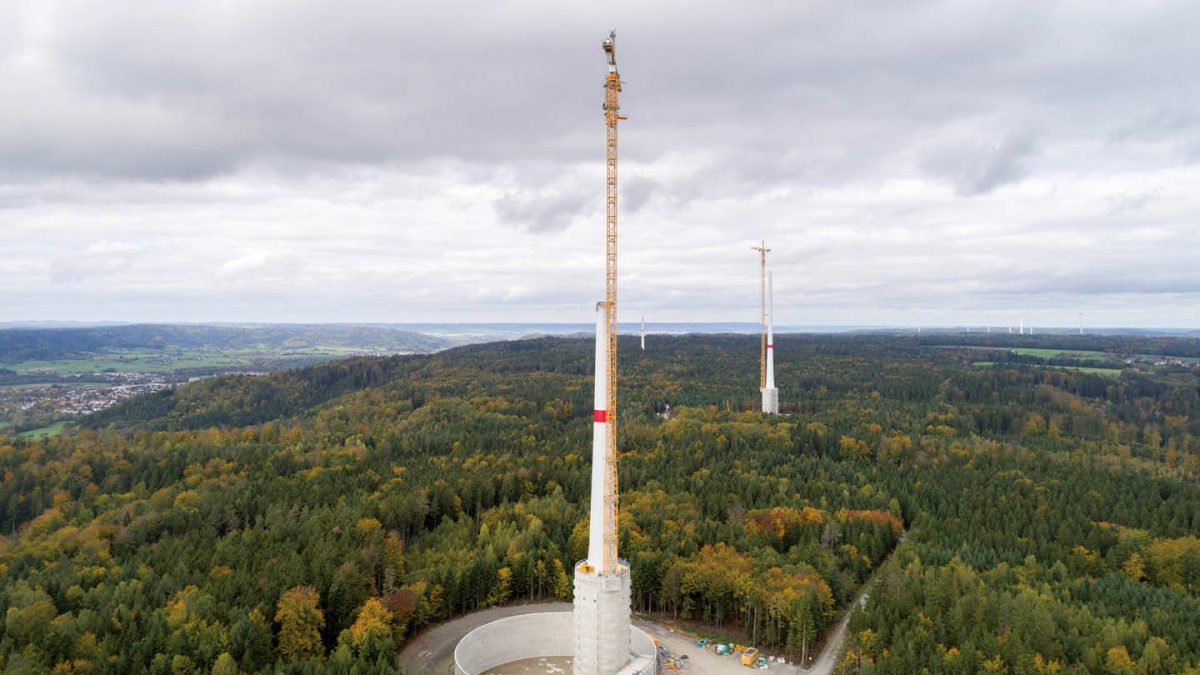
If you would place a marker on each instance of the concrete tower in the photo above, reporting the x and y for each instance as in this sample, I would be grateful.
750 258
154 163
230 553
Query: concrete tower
602 596
602 583
770 394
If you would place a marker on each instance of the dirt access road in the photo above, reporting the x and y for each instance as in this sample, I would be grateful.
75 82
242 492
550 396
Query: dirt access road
432 652
706 662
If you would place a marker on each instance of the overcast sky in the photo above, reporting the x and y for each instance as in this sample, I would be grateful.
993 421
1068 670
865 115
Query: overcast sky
907 162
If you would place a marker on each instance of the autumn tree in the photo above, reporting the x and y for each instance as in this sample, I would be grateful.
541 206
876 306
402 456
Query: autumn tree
370 636
300 622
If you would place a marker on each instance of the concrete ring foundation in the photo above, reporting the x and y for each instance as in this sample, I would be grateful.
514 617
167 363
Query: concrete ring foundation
530 636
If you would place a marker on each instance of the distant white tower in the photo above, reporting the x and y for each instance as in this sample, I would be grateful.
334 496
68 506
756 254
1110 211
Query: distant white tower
643 332
762 308
1081 323
1022 331
770 394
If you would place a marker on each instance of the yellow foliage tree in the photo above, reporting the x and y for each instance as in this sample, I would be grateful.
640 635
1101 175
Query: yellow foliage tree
1134 567
367 526
300 623
371 633
225 665
995 665
503 588
1117 661
560 582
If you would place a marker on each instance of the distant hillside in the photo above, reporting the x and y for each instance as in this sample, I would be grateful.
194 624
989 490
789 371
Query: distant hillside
24 344
241 400
1129 343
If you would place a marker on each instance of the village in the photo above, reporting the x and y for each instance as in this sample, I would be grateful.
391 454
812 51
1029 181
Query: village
39 404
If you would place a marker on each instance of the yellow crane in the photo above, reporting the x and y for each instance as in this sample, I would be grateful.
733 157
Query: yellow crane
762 361
612 108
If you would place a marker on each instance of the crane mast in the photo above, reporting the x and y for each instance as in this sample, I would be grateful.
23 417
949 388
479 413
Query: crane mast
612 107
762 360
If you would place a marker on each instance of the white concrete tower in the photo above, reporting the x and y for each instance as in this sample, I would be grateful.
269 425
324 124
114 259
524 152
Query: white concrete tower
770 394
602 597
644 333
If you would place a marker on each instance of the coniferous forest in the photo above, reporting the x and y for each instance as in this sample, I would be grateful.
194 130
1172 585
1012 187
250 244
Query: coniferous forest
1003 512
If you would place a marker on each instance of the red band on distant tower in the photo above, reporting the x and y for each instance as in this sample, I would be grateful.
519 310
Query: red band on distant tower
770 346
600 416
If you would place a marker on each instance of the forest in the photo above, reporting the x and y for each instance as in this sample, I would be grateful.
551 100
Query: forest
1012 517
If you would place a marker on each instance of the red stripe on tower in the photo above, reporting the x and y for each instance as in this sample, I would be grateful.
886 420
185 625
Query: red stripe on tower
770 346
600 416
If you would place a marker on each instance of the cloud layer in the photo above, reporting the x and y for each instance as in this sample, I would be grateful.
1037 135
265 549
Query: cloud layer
930 162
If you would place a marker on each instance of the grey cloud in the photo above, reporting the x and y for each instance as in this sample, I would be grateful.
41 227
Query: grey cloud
96 260
229 141
1104 282
185 91
1130 201
979 170
636 192
545 210
1164 123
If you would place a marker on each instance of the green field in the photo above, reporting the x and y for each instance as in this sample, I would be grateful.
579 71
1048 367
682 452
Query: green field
159 361
1113 372
134 360
52 430
78 384
1060 353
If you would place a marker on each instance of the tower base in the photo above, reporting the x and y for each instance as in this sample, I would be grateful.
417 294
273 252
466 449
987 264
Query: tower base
601 621
770 400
